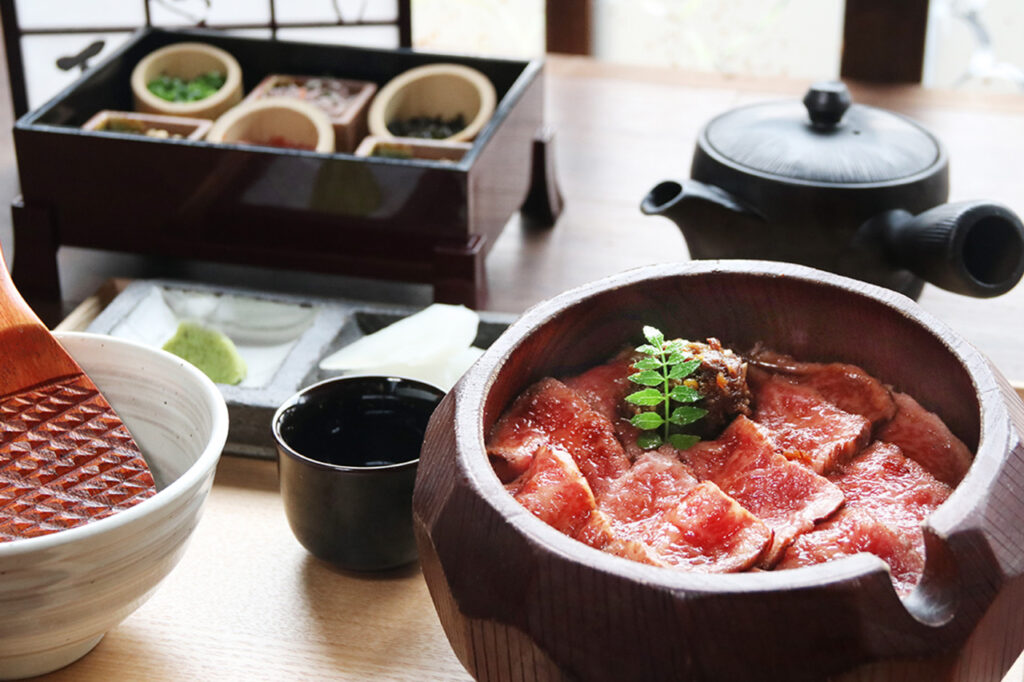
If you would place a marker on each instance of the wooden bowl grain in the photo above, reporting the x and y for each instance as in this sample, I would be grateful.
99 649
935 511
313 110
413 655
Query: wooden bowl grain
519 600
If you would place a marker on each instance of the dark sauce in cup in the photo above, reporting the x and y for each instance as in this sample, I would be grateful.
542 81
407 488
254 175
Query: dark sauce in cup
355 428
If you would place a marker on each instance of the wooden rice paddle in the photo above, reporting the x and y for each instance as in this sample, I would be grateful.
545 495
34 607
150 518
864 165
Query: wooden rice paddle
65 456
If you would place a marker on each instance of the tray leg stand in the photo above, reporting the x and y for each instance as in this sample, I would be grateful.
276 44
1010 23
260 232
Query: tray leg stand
34 270
543 203
459 275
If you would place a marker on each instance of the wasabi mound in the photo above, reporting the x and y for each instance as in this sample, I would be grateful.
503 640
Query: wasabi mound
209 350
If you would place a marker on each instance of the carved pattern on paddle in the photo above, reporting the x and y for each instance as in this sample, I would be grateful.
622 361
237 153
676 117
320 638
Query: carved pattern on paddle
65 459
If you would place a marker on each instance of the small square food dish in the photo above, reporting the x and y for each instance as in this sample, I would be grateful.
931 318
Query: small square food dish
412 148
280 338
156 126
345 101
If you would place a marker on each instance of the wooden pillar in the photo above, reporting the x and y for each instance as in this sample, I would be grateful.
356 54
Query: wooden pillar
883 40
12 50
569 26
405 23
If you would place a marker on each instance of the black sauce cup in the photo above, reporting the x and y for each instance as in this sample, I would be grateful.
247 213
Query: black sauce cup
347 454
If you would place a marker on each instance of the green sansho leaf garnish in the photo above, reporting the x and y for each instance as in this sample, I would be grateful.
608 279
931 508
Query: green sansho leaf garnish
662 369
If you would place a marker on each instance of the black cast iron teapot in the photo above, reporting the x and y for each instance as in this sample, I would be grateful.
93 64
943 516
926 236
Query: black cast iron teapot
842 187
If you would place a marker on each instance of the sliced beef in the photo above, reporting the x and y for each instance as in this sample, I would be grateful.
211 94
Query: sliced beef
525 426
655 484
848 387
595 531
793 485
551 413
710 532
896 490
554 490
806 427
787 497
852 531
741 447
924 438
605 388
592 442
635 550
599 533
660 514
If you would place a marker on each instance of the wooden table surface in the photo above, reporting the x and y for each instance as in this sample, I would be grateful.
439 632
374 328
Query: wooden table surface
247 602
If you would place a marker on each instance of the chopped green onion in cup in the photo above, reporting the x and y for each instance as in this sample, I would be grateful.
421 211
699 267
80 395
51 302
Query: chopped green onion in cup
174 89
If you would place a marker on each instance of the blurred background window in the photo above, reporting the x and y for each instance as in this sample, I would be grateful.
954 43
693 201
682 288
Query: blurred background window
795 38
975 45
500 28
959 44
967 44
57 39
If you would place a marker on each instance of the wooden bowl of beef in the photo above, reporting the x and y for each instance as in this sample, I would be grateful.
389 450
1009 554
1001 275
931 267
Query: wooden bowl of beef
881 543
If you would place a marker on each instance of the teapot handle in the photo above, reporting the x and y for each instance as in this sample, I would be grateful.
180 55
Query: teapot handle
974 248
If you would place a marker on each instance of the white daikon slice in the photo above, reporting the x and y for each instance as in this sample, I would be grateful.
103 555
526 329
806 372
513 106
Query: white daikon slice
429 337
442 374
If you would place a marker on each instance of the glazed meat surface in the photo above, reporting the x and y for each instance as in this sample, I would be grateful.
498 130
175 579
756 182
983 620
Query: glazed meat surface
924 438
551 413
848 387
787 497
807 427
810 462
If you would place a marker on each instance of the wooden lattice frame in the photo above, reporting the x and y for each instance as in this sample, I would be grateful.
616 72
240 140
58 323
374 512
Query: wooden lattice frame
13 33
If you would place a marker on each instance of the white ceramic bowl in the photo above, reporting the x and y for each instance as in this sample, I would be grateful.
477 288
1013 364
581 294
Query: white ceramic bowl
60 593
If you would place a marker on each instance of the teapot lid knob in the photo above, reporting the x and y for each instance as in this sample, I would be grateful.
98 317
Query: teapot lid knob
826 102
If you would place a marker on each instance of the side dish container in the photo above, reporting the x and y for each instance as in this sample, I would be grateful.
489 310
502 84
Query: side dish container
187 60
412 148
344 101
442 91
155 126
519 600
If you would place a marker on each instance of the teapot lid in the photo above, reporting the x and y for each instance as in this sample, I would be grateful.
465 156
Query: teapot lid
826 139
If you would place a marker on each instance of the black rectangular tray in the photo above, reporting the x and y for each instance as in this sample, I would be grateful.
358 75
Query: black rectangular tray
403 219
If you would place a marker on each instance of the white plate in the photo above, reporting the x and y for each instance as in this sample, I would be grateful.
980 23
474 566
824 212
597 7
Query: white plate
282 339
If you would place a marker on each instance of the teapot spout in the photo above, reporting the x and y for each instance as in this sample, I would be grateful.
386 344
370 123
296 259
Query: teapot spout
673 199
974 248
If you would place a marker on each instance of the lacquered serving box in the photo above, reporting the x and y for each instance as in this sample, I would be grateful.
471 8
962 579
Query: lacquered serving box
415 220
